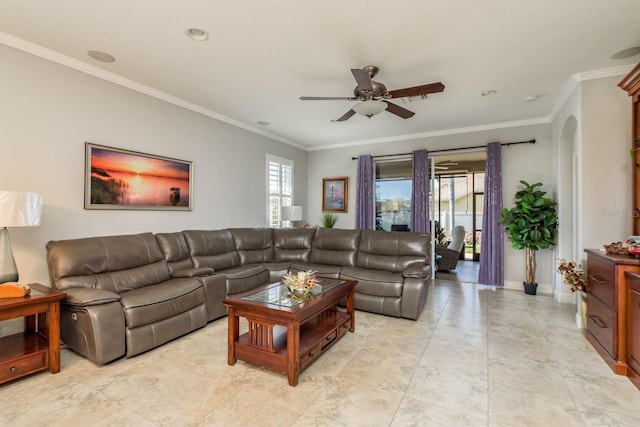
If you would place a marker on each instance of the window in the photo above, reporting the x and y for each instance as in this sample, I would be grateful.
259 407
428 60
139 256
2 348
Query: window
393 195
279 188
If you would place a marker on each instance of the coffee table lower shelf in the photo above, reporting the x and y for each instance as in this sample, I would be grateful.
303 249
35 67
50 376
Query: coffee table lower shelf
315 337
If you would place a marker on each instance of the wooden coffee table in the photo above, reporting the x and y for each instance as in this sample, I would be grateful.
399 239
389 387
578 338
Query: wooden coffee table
285 335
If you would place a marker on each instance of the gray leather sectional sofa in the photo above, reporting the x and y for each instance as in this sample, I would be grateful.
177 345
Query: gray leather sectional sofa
128 294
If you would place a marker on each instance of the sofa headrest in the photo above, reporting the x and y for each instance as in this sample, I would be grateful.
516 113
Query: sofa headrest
335 246
254 245
212 248
173 245
292 244
135 259
392 251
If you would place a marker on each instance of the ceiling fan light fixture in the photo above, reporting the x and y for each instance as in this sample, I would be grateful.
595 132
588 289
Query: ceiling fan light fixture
369 108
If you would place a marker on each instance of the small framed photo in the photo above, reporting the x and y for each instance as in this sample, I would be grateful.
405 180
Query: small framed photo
334 194
123 179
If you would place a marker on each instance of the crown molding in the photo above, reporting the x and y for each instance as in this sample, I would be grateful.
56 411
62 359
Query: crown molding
604 73
83 67
577 78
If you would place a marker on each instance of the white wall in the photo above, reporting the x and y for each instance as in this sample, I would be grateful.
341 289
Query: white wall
606 167
600 210
531 162
48 112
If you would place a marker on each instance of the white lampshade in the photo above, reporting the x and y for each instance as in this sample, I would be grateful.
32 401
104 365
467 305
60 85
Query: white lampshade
296 213
369 108
20 209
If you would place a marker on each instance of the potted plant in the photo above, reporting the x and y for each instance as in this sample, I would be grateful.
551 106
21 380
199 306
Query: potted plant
532 224
329 220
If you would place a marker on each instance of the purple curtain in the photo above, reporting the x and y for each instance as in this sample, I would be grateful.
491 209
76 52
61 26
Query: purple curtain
364 193
492 240
420 192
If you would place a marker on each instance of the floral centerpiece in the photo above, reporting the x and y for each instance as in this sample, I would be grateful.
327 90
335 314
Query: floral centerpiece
573 275
302 285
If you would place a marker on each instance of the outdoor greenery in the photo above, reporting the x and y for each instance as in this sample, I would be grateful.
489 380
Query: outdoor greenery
532 224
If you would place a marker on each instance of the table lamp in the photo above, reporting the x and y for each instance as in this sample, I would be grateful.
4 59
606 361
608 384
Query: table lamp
295 215
17 209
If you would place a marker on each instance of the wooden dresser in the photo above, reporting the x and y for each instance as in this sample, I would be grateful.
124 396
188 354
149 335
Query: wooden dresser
631 84
632 356
607 306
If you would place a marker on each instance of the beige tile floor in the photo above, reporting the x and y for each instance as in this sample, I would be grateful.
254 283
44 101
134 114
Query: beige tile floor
475 357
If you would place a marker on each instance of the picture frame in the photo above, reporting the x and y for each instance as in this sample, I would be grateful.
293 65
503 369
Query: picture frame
116 178
335 193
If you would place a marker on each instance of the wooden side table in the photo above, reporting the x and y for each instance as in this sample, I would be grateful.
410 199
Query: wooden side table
38 347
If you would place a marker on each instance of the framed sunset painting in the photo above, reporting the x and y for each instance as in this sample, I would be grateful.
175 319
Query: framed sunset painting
334 194
123 179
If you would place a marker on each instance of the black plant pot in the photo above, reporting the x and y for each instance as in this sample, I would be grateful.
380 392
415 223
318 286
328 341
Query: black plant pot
530 288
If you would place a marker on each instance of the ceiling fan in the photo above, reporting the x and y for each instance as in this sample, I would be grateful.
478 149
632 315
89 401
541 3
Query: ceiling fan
445 165
373 96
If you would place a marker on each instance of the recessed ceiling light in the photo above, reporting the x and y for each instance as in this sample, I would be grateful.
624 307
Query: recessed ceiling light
197 34
530 98
626 53
263 123
490 92
100 56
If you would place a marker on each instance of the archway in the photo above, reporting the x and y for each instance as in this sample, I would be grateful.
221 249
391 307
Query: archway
567 198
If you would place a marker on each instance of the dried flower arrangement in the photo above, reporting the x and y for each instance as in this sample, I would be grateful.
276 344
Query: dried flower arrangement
301 285
573 275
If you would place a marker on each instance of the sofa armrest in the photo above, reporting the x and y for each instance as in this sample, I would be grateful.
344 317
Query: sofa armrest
417 270
193 272
83 297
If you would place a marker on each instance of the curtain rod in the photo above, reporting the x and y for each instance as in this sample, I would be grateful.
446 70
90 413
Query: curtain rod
531 141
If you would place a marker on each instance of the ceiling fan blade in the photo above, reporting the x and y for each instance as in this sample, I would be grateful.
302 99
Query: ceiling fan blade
327 98
363 79
346 116
417 90
399 111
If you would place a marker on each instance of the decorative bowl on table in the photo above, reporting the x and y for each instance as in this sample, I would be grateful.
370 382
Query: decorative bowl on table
301 286
619 248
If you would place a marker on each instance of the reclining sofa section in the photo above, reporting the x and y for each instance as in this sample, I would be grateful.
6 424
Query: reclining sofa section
128 294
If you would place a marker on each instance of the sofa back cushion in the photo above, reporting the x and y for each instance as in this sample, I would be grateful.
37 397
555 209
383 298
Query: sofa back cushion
292 244
175 250
212 248
335 246
254 245
392 251
113 263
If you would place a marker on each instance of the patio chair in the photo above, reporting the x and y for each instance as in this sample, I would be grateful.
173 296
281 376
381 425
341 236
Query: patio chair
451 253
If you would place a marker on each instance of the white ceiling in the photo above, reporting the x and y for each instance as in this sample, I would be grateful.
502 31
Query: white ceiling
262 55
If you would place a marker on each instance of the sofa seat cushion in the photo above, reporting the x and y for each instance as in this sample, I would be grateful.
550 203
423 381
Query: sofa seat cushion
245 278
375 282
322 270
153 303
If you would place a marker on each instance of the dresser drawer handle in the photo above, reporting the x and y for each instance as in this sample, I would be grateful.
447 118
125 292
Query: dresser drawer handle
597 321
595 279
